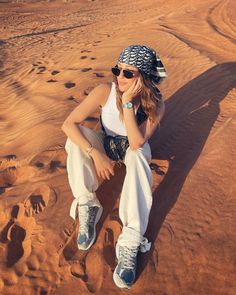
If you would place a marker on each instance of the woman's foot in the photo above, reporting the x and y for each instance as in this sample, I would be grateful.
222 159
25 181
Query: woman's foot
125 271
88 218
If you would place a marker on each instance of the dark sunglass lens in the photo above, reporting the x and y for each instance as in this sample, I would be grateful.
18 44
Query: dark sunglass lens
115 71
128 74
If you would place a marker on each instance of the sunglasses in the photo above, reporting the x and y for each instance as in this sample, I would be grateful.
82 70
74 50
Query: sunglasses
128 74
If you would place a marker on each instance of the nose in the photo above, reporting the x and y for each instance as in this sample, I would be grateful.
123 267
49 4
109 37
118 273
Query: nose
121 73
121 76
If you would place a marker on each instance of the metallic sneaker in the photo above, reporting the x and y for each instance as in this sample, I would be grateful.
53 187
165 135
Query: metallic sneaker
125 271
88 218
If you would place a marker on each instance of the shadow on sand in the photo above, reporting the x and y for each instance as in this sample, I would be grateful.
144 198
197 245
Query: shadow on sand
190 115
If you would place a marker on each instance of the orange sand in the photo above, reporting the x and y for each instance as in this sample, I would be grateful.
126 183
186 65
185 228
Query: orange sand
52 54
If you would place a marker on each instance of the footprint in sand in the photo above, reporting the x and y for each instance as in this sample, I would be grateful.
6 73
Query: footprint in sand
71 98
19 236
41 70
17 233
69 84
8 158
109 248
69 249
37 201
95 278
50 160
8 177
99 75
86 69
83 57
85 50
52 81
8 161
87 91
92 58
78 271
55 72
156 168
114 216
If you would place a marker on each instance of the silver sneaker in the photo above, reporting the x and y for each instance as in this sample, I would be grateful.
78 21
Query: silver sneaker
88 218
125 271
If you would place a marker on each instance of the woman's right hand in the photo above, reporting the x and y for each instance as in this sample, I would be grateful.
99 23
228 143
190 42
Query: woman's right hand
104 165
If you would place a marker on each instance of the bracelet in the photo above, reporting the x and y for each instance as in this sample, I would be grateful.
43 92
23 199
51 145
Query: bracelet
89 150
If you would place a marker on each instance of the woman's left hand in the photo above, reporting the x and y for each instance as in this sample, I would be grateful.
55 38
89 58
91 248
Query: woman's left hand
133 90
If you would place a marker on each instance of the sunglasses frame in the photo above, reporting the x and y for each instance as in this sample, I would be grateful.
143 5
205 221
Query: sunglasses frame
126 73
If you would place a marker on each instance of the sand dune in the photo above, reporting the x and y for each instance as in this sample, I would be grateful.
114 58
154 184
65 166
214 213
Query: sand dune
52 54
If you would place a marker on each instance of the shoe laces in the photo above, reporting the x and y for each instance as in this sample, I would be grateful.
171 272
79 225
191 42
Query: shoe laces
86 216
129 255
83 219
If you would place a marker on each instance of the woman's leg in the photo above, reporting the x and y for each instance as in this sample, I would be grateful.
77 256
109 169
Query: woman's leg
84 182
136 196
134 209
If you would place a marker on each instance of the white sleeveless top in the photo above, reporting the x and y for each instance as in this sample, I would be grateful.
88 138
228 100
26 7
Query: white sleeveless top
110 115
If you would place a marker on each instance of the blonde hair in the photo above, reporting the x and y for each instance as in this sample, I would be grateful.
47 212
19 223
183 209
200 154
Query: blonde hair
150 98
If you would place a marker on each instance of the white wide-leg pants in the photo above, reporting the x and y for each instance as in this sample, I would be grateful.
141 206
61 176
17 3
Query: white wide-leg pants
136 195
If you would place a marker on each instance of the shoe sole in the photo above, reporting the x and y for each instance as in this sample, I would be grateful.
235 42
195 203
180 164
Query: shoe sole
118 281
94 229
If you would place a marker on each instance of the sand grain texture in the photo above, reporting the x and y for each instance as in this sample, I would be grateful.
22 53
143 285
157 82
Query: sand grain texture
52 55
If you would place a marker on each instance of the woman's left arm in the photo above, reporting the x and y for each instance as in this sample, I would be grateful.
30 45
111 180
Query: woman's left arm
138 135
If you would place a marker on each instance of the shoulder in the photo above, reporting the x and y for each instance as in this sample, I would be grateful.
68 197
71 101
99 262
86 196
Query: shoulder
103 88
102 91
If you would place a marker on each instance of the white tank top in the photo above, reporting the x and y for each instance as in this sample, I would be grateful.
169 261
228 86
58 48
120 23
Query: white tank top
110 115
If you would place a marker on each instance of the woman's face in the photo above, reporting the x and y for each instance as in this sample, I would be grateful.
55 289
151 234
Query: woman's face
123 82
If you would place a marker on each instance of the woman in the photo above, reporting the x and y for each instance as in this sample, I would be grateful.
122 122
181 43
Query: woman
131 109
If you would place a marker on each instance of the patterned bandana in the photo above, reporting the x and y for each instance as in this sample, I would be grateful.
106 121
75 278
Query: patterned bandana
146 60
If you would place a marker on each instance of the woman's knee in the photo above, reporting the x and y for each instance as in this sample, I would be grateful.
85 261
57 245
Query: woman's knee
142 152
67 144
92 136
95 138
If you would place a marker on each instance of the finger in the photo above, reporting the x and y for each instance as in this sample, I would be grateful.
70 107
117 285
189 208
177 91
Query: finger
103 175
132 86
99 173
107 174
137 85
111 170
139 82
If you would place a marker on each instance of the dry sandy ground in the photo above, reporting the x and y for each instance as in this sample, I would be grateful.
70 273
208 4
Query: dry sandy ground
52 55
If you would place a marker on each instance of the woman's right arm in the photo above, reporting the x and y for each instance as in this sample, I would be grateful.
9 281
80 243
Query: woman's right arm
88 106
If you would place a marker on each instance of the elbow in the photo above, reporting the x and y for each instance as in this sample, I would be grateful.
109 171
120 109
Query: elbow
65 126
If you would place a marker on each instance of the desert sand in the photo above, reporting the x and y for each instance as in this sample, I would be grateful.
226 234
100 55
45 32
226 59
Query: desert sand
52 54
